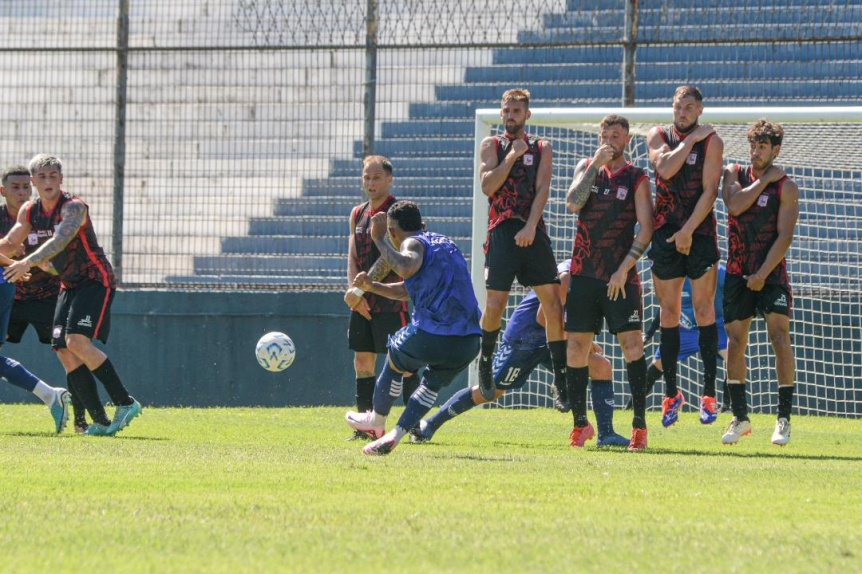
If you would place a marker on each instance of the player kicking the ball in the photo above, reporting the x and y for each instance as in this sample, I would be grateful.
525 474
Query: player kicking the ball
525 347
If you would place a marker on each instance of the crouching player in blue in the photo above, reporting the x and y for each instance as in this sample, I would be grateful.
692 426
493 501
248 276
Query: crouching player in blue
443 335
525 347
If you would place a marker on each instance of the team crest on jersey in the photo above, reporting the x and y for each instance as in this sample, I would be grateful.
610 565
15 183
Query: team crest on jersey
692 158
528 159
622 192
763 200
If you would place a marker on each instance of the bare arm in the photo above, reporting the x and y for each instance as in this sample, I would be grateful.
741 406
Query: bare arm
395 291
492 174
405 262
711 178
737 199
74 214
579 190
352 265
669 161
10 244
788 213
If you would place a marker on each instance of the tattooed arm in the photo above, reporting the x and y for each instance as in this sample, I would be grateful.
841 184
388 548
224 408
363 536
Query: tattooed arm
74 215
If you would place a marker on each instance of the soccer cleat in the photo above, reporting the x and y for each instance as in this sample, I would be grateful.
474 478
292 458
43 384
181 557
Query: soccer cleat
97 429
708 410
362 422
781 436
670 408
124 415
358 435
420 434
725 408
382 446
580 435
561 401
736 430
60 409
486 379
612 439
639 440
81 428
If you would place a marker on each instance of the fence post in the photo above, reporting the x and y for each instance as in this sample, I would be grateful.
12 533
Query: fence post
629 44
370 77
120 137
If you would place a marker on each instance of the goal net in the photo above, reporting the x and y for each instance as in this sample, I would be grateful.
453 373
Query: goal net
821 153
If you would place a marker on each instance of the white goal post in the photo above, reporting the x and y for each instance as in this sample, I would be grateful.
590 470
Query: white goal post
821 151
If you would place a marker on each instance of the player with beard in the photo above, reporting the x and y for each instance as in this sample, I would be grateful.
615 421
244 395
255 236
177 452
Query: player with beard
515 174
762 206
687 158
615 217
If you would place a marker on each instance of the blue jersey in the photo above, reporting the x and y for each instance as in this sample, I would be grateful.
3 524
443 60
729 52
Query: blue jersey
442 291
686 318
522 330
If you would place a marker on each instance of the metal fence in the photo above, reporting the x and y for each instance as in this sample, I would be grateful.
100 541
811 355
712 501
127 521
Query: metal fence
219 142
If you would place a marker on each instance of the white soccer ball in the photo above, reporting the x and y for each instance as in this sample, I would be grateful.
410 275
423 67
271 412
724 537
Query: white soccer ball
275 351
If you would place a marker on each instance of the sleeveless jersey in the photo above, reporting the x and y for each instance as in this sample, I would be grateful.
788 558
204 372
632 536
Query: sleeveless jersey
515 198
676 197
606 225
367 253
442 291
83 259
522 330
751 234
41 285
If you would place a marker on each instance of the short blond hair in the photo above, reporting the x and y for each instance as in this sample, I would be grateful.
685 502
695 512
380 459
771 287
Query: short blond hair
42 160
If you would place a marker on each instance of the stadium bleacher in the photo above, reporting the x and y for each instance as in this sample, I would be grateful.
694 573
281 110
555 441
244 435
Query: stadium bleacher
432 146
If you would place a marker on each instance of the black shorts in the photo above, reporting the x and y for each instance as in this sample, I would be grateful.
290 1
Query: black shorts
504 261
668 263
364 336
741 303
587 303
36 312
84 310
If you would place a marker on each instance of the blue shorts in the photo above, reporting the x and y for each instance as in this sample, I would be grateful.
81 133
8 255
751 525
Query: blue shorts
512 367
688 343
444 356
7 299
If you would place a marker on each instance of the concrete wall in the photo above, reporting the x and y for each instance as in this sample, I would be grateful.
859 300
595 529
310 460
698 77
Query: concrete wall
197 349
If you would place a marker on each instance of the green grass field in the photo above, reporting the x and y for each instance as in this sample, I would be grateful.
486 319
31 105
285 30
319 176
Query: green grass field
280 490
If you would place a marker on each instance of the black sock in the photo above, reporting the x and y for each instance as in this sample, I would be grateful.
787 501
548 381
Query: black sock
408 387
364 393
669 348
708 341
725 396
111 380
576 382
489 343
82 382
637 373
738 401
653 374
785 401
79 411
558 360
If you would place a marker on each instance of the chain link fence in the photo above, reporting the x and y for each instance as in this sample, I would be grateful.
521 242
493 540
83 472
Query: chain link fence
219 143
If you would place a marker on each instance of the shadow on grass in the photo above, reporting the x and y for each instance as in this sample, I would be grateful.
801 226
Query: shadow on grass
692 452
50 434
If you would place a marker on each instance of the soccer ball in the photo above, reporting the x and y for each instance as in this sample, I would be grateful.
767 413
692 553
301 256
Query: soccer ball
275 351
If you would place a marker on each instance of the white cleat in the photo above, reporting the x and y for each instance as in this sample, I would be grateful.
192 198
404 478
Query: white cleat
383 445
736 430
781 436
364 423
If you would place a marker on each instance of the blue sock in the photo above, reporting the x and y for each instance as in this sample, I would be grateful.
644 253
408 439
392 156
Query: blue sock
15 373
386 390
459 403
602 395
417 407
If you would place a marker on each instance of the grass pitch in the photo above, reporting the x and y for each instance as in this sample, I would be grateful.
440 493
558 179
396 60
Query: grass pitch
280 490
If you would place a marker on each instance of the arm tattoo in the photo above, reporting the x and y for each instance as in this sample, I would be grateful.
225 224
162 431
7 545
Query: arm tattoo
578 194
74 213
381 267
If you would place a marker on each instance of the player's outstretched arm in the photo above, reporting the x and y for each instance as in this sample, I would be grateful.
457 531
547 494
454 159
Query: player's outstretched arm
74 214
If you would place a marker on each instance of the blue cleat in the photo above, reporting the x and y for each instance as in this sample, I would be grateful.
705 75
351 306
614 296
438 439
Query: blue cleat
60 409
123 416
708 410
670 408
612 439
97 429
420 433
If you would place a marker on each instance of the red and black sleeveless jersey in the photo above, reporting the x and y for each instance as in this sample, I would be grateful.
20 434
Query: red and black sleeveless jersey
750 234
606 224
41 285
367 253
515 198
83 259
676 197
